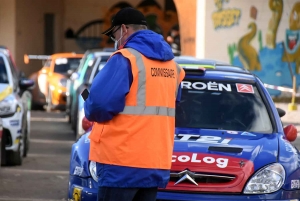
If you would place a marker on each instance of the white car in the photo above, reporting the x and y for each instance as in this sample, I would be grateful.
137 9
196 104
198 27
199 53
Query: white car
15 103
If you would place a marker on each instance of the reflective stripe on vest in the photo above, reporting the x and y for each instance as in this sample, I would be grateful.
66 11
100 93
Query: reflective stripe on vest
141 108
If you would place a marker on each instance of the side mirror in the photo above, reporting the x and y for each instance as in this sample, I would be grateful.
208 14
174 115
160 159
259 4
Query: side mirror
26 83
290 132
281 112
86 124
74 76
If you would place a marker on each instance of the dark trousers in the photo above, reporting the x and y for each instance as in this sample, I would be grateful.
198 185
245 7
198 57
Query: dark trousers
126 194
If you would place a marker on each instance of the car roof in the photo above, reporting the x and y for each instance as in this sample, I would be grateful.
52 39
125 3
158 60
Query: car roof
67 55
208 64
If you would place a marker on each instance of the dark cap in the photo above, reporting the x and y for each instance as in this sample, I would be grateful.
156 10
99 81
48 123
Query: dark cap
126 16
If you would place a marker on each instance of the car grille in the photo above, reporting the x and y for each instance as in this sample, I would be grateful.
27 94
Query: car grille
204 178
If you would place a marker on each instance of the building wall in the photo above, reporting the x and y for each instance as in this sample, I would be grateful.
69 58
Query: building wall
78 14
253 34
8 24
30 30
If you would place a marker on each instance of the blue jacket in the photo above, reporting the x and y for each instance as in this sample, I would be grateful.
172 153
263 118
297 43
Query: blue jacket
107 99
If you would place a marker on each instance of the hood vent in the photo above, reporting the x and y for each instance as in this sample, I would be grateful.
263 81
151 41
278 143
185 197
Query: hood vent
234 150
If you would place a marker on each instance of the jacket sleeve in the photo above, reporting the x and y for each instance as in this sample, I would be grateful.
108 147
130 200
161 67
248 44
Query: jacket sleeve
108 90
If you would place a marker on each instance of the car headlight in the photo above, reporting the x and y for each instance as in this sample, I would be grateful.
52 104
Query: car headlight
93 170
267 180
9 106
63 82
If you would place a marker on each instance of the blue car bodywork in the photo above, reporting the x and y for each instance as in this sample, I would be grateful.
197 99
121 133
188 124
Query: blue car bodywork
221 157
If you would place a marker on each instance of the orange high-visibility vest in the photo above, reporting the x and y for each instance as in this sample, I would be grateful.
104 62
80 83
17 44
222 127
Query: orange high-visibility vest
143 134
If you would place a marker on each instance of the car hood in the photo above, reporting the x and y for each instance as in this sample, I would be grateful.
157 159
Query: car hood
224 159
5 90
204 160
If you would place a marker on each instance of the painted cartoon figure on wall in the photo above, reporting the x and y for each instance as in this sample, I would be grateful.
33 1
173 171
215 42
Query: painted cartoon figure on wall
247 53
292 40
274 59
276 7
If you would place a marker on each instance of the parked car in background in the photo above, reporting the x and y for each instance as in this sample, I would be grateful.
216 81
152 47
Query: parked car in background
78 79
2 146
51 79
15 105
98 64
230 143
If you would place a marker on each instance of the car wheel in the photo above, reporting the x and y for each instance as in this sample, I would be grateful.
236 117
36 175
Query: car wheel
78 128
15 157
74 116
2 150
69 113
26 142
49 101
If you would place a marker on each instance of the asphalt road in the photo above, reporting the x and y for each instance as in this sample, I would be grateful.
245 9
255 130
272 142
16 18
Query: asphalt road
44 173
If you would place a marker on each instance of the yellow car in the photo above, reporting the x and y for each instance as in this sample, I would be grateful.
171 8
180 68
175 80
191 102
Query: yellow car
51 80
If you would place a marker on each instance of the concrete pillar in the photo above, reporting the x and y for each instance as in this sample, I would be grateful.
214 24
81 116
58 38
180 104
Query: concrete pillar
186 10
8 24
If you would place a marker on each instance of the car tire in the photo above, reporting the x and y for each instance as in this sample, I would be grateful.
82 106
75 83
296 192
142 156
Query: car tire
14 157
74 116
26 142
49 101
2 151
78 124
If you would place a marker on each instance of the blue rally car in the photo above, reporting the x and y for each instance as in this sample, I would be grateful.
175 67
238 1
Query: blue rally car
230 143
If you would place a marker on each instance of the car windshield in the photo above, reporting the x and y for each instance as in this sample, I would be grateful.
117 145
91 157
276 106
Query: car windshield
222 105
3 72
101 64
62 65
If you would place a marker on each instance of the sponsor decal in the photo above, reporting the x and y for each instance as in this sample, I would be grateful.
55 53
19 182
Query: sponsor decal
248 134
201 139
210 86
289 147
245 88
5 92
295 184
200 158
14 122
232 132
78 170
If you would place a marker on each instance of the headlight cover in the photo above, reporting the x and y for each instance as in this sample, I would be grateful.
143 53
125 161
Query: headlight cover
93 170
9 106
267 180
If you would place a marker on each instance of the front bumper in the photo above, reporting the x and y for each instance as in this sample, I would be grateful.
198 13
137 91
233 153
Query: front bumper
280 195
85 189
12 128
82 189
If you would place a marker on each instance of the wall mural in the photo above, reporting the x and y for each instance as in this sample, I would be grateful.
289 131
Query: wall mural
164 22
225 18
292 40
272 62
